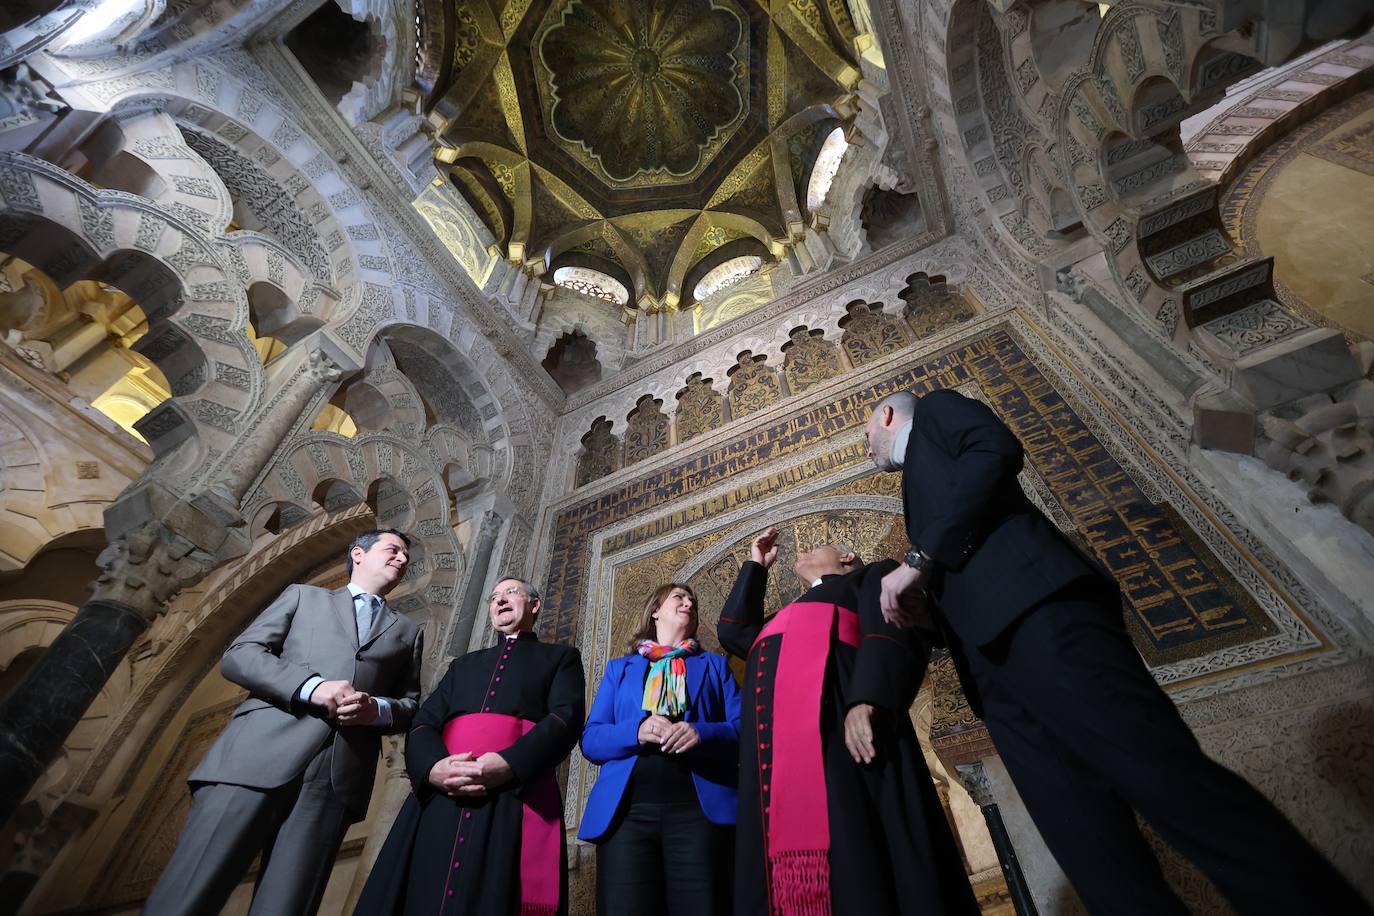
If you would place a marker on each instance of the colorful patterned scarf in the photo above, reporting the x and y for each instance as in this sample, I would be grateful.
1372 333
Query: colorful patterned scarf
665 689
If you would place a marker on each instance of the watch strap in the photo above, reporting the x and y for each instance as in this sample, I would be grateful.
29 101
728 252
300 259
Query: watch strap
919 559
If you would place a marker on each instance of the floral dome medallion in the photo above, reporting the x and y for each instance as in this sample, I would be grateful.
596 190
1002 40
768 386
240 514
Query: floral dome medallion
643 93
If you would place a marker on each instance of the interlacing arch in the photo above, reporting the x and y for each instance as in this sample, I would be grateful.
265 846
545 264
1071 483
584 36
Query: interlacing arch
198 316
1156 216
244 145
142 152
394 475
408 463
373 285
164 230
1069 115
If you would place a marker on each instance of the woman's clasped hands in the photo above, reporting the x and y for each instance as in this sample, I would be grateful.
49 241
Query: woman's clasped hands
672 737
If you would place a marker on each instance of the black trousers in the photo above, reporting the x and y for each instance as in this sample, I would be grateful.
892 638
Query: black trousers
1089 738
664 858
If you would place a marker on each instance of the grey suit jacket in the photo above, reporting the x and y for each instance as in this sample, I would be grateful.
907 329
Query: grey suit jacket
273 736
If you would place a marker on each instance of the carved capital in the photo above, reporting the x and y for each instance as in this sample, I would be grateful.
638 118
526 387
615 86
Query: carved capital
25 90
323 369
1329 449
146 567
1070 283
394 757
491 525
975 781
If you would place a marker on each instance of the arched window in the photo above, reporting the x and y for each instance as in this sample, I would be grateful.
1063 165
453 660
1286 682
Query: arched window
106 20
727 273
827 164
592 283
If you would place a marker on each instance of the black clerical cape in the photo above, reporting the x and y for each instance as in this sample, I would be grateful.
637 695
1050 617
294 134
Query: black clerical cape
447 856
890 847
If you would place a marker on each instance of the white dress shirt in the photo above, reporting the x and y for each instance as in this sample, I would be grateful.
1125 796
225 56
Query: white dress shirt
899 441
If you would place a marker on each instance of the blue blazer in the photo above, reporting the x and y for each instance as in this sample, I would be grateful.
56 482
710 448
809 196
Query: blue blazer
611 737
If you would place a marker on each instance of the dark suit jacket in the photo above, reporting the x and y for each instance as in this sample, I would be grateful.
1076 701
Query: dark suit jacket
997 555
273 736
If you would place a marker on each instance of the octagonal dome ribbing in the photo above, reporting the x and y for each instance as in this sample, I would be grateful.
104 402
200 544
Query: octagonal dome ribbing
644 93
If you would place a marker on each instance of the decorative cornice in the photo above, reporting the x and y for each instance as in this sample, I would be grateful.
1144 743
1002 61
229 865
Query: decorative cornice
797 297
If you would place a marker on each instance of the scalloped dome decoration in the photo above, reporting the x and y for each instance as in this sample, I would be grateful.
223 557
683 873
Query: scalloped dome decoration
826 167
593 283
727 274
644 94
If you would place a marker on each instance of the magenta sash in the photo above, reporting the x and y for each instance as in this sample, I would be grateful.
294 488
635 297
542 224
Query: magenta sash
541 829
799 819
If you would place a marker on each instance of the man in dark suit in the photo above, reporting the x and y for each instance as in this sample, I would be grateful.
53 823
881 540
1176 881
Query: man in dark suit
328 673
1089 738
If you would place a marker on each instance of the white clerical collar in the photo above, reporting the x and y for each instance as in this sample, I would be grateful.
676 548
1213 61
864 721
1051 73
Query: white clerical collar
899 441
817 581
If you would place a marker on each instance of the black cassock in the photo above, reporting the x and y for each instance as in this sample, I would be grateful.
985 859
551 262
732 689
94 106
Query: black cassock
451 856
891 850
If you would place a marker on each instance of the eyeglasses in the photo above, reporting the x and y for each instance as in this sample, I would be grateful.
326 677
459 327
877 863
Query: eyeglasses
513 590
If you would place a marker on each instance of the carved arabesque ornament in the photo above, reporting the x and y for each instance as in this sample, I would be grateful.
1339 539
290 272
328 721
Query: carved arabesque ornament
700 408
600 453
753 384
809 359
869 333
646 432
932 306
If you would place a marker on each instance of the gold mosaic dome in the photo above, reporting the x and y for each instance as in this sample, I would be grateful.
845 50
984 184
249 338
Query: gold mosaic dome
641 93
647 140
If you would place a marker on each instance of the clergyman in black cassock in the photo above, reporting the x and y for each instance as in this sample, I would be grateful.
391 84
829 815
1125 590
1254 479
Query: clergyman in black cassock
1036 630
482 833
887 847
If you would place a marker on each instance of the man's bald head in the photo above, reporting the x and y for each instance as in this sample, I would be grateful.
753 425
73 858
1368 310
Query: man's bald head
889 415
903 403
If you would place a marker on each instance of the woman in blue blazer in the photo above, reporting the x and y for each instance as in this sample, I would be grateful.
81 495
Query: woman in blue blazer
664 728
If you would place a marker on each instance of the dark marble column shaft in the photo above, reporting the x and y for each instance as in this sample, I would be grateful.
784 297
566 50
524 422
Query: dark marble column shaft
474 596
1017 888
37 717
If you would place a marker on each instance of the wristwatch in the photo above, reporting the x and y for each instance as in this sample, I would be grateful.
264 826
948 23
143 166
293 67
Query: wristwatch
919 560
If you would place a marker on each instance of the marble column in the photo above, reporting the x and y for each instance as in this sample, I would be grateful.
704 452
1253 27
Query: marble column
297 386
479 564
141 573
979 788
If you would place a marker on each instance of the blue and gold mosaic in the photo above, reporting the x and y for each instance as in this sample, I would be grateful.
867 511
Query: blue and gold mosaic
1181 601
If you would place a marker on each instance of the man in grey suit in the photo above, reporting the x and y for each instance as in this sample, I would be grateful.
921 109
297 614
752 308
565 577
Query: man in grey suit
328 673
